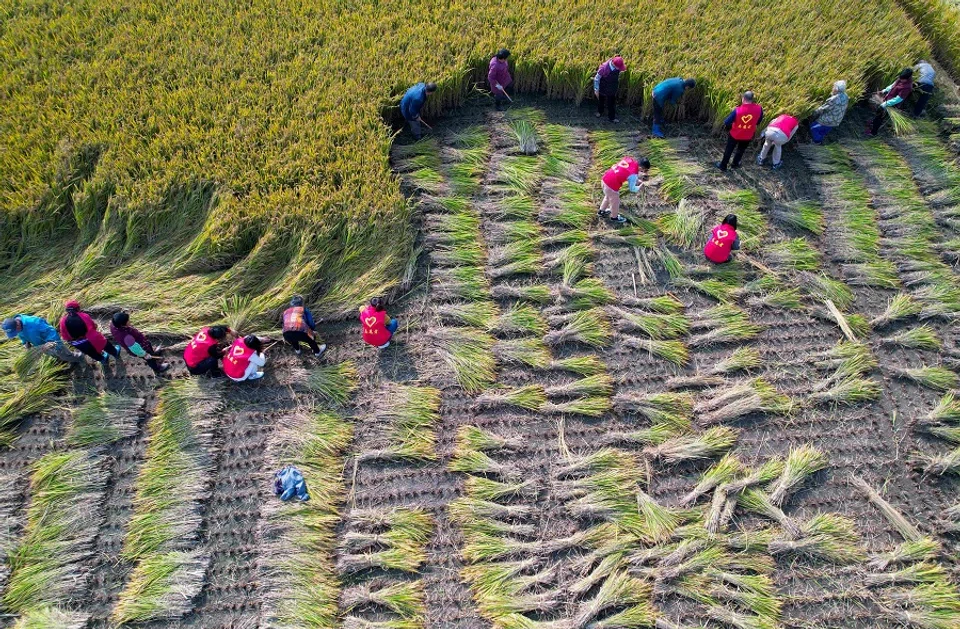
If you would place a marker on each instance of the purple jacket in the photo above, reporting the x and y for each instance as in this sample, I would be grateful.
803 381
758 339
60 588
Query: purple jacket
499 72
127 336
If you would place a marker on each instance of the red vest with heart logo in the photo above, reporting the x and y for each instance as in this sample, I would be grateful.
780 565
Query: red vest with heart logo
237 359
718 246
745 121
374 329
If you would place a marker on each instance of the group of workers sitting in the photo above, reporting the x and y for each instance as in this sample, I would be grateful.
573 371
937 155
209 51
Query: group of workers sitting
214 351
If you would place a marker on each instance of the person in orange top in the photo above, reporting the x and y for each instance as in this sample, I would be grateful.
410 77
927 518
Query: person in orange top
204 352
723 241
243 360
742 122
373 321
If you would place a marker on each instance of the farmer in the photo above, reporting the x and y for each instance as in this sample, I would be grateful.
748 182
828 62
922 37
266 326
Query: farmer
498 76
136 344
412 103
627 170
289 482
299 327
605 84
830 114
723 241
780 131
205 350
36 332
79 330
668 92
244 359
924 84
373 321
742 122
891 96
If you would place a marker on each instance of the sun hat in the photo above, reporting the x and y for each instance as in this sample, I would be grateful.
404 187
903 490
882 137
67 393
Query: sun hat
10 327
618 63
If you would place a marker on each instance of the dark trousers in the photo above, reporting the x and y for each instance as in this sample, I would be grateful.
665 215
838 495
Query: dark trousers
611 102
295 337
657 112
926 91
500 99
87 348
206 366
878 120
740 145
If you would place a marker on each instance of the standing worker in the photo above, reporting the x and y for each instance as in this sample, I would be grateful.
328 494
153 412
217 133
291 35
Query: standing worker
830 114
299 327
723 241
668 92
778 133
742 122
136 344
891 96
924 84
605 84
79 330
627 170
244 359
412 103
498 76
203 353
36 332
373 321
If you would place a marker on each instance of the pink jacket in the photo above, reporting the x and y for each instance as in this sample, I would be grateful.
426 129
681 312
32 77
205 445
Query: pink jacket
498 72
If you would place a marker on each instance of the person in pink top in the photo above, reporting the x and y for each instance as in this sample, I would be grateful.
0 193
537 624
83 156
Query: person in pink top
778 133
498 76
627 170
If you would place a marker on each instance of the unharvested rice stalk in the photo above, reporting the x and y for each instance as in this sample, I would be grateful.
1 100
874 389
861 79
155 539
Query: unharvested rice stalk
936 378
722 471
334 383
104 419
404 598
921 337
713 442
907 530
901 306
825 536
596 385
674 352
589 327
585 365
801 463
530 352
530 397
467 354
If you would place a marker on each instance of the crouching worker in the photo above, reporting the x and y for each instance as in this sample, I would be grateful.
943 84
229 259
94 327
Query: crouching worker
244 359
723 241
36 332
778 133
136 344
289 482
204 352
79 330
299 327
374 322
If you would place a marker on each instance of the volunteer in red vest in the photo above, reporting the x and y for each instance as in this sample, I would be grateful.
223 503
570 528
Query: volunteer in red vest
374 324
79 330
779 132
299 327
723 241
605 84
243 360
627 170
204 352
742 122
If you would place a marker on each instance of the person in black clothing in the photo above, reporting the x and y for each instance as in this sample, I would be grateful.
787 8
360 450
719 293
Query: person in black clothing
605 84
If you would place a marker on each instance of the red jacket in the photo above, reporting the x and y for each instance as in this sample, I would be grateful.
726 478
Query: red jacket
618 174
373 324
718 246
96 339
745 119
199 348
237 359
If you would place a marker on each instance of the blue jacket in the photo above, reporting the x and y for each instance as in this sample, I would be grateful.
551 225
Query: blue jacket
669 91
413 100
289 481
36 331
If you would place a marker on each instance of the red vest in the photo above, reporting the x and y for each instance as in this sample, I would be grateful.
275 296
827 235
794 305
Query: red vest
717 248
199 348
620 172
374 327
745 121
236 360
785 123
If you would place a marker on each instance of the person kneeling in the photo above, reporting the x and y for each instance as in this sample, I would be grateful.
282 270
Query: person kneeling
723 241
244 359
289 482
